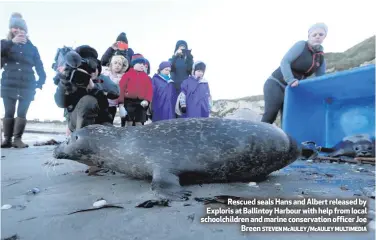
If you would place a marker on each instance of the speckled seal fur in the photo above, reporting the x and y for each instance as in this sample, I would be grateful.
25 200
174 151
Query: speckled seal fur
359 145
182 151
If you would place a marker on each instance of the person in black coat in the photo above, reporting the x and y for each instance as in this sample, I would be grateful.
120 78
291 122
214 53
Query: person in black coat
120 47
181 63
18 82
87 103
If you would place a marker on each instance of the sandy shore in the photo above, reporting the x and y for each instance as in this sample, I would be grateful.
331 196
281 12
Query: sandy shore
66 188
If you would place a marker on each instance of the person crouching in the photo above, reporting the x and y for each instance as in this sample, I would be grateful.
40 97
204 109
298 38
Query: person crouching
136 92
194 100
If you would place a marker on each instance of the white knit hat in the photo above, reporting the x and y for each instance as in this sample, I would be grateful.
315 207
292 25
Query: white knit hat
318 25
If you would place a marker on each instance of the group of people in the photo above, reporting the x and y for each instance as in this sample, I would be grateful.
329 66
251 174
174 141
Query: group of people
92 90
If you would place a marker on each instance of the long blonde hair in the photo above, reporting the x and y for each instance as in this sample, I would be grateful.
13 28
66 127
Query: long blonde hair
10 35
123 60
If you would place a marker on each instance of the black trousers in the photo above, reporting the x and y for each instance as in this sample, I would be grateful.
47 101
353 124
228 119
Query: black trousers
274 94
85 113
112 111
10 107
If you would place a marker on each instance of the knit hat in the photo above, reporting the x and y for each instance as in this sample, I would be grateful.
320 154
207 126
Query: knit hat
86 51
90 59
164 65
137 58
318 25
122 37
199 66
16 21
179 43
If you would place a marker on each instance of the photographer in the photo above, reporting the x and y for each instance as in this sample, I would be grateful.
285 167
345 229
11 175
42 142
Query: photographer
18 82
181 64
81 91
120 47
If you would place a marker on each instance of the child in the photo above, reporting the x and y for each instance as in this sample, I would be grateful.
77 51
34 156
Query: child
118 66
164 94
147 70
136 92
194 100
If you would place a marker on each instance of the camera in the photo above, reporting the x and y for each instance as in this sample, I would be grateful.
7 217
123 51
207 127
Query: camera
73 70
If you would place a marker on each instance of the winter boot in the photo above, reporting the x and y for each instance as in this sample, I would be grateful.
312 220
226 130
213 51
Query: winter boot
8 124
19 128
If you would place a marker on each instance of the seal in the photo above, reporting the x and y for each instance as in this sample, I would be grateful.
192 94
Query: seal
175 152
359 145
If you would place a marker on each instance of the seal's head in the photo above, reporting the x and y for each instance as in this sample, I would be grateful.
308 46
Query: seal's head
79 147
363 148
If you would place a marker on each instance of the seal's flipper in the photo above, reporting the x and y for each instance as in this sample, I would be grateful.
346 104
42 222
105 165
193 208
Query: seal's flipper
309 150
338 153
165 185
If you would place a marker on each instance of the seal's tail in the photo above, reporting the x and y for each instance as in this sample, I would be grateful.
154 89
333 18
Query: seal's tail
295 149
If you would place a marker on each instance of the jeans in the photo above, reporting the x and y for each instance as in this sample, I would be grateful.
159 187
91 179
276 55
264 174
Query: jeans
10 107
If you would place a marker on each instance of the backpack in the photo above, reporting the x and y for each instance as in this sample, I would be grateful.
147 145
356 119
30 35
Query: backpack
60 57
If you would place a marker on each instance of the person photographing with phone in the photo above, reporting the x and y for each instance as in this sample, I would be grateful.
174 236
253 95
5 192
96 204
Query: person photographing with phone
18 83
181 64
86 103
120 47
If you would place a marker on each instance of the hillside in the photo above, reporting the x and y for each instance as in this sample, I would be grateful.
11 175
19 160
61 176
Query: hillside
252 107
360 54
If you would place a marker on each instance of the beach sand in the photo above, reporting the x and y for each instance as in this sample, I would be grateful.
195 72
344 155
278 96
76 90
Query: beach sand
66 188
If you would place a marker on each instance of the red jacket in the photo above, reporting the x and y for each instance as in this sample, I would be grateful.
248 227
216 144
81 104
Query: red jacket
134 84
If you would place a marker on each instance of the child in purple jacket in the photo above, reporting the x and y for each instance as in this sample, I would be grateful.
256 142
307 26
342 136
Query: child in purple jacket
194 100
164 94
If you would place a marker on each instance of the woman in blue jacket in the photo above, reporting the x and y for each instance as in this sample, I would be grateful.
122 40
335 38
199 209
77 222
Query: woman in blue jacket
18 83
303 59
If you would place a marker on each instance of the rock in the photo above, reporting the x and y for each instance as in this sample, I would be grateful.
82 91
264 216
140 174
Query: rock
100 203
245 114
252 184
6 207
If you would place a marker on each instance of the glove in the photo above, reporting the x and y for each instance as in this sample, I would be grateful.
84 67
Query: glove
184 109
144 103
122 111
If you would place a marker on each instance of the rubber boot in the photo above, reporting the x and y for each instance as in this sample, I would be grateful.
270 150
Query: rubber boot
19 128
8 124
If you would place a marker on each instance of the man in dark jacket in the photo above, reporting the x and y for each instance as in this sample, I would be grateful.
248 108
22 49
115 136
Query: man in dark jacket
18 83
86 104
